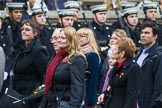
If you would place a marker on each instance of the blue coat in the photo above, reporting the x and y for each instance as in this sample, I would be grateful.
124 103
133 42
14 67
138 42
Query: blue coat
91 84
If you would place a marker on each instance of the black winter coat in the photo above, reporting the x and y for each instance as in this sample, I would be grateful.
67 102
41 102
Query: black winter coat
124 83
150 85
68 83
30 67
44 37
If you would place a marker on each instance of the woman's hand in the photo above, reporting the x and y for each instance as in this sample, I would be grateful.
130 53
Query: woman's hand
101 98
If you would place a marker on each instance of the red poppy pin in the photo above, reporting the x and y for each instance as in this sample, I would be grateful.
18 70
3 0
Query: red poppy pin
121 74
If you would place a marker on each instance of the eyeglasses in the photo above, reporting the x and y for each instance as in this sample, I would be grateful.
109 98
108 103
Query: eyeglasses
26 29
54 38
83 36
114 38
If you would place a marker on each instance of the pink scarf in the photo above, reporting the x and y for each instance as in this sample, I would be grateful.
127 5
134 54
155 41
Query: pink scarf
87 48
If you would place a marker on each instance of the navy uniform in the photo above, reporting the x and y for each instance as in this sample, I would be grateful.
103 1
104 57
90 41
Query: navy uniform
102 32
123 5
10 40
63 13
12 33
102 35
128 8
134 33
46 32
153 5
76 6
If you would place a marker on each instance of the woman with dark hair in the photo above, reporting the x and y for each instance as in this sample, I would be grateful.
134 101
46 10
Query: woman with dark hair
31 62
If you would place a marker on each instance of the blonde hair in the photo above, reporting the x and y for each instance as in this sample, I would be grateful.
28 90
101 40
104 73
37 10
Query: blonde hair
120 33
110 7
92 40
72 37
127 45
57 30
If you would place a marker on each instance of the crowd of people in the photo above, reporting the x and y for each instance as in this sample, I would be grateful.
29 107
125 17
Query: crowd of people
81 64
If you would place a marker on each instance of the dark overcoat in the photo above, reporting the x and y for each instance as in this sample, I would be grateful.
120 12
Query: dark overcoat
30 67
68 83
124 83
91 83
150 85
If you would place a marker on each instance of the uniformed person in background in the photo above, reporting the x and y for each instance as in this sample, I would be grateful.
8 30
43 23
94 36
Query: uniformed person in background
11 27
38 14
76 7
123 5
102 33
150 11
101 30
11 37
66 18
126 4
130 17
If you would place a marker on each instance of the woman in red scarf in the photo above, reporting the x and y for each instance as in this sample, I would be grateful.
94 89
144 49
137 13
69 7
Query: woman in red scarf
65 73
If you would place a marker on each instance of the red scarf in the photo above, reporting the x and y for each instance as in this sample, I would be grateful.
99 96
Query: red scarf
120 64
61 54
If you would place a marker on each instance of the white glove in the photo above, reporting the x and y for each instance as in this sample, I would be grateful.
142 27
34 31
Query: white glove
5 75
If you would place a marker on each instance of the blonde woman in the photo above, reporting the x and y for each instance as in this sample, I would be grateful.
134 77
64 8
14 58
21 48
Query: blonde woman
90 49
65 73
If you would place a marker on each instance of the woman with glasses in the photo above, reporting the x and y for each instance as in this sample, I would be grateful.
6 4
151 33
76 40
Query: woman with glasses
54 39
31 62
90 49
117 34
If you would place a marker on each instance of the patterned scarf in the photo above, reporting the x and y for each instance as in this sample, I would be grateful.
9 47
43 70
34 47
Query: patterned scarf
87 48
